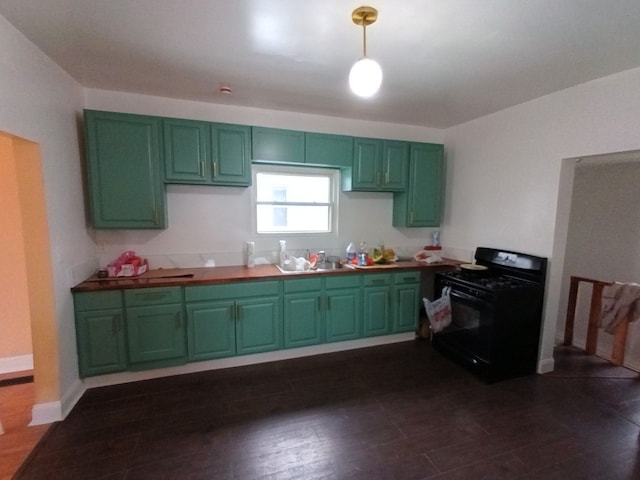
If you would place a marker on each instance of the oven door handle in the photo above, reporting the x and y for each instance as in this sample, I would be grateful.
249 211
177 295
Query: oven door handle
468 298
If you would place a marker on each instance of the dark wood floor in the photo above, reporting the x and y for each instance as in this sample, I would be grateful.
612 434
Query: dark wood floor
392 412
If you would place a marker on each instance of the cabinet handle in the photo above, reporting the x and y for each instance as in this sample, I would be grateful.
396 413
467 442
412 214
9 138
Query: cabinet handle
378 178
377 280
319 303
411 217
152 296
115 324
239 312
201 168
232 308
386 177
178 320
154 215
214 166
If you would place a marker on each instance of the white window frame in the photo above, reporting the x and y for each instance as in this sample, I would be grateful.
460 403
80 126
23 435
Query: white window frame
305 171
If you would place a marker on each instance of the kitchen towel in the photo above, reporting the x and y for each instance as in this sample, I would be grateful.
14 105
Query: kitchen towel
620 301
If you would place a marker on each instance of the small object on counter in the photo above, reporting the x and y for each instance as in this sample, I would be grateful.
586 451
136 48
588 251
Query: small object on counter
102 273
128 264
362 259
283 252
428 256
251 254
435 238
351 252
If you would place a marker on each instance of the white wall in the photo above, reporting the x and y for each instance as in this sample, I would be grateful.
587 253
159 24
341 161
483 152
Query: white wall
215 222
603 240
504 172
40 102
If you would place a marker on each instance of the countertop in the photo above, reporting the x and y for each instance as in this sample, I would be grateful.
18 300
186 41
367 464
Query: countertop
210 275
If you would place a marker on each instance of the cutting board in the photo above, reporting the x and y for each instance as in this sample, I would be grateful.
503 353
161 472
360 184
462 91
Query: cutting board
371 267
159 273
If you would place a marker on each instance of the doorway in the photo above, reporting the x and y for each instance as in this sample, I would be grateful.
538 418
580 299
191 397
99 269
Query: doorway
27 303
597 231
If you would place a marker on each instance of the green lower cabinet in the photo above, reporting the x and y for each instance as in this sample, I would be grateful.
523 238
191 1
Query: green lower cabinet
406 307
156 335
302 319
377 312
101 345
100 333
211 330
343 315
258 325
233 319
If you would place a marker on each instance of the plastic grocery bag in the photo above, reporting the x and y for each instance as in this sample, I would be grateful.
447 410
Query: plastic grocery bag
439 311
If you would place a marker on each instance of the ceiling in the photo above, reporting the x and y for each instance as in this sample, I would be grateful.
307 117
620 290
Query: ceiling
444 61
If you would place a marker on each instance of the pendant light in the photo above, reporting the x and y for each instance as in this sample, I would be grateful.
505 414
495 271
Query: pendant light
365 76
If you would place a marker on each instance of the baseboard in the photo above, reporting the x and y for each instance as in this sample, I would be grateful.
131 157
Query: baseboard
71 397
43 413
546 365
19 363
242 360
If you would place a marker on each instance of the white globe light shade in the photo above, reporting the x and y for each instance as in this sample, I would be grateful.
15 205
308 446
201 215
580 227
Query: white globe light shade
365 77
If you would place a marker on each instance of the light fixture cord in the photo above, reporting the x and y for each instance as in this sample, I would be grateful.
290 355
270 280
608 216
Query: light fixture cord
364 35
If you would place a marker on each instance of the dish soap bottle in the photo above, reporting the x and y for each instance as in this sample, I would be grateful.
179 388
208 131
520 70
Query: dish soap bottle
351 252
283 252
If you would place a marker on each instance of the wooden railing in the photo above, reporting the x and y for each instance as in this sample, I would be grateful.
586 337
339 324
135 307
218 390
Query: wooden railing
619 333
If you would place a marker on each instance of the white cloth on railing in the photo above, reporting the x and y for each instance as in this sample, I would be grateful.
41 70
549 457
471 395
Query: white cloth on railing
619 302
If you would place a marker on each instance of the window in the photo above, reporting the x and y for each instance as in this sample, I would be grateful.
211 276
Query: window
294 199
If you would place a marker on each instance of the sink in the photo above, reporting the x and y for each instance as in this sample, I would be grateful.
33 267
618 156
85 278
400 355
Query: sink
320 267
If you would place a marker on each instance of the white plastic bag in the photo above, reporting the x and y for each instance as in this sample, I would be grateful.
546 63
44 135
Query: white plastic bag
439 311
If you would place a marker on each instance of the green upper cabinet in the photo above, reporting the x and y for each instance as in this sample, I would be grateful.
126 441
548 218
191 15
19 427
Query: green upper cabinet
186 151
206 153
421 204
277 145
328 150
231 154
378 165
124 170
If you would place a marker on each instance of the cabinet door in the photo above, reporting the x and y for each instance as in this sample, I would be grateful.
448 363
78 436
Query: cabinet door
211 330
123 167
277 145
258 325
367 158
343 314
230 157
421 204
186 151
395 166
328 150
406 308
156 333
101 346
302 319
377 312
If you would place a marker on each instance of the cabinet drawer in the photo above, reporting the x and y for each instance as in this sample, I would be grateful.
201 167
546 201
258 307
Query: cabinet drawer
97 300
343 281
302 285
407 277
202 293
377 279
152 296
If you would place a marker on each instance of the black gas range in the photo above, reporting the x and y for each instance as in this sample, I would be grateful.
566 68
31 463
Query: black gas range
496 314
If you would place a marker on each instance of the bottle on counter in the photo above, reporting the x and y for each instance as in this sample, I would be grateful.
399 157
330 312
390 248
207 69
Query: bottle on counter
363 253
351 252
251 254
283 252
